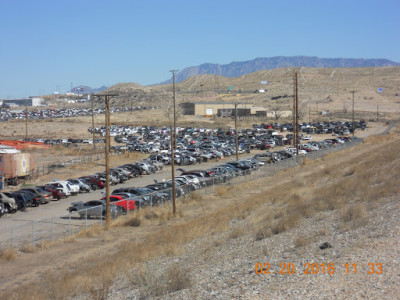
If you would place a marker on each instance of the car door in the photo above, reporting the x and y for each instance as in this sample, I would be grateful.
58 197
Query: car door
94 208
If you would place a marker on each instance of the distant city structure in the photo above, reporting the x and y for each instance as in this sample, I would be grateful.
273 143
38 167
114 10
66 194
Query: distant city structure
31 101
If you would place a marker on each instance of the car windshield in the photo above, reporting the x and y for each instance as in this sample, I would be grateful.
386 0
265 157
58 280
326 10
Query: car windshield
40 189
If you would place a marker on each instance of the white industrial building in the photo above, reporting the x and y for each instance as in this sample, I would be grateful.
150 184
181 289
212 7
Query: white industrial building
31 101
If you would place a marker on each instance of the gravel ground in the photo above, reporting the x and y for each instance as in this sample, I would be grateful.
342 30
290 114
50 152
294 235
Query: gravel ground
222 267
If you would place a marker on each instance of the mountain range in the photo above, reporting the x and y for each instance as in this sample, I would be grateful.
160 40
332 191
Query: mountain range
235 69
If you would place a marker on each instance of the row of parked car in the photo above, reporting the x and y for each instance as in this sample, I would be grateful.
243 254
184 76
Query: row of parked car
195 145
7 114
131 198
34 196
337 127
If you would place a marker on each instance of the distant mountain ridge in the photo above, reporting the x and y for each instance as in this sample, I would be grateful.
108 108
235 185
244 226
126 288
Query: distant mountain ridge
235 69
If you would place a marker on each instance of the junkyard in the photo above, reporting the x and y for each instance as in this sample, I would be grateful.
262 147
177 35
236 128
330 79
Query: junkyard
202 154
240 179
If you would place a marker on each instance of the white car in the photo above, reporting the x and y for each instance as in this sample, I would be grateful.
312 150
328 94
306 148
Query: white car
63 186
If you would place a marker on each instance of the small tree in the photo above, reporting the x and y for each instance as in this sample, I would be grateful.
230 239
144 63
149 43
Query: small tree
277 111
169 111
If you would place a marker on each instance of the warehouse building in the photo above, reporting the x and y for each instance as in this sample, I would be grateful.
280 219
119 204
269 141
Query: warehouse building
220 109
31 101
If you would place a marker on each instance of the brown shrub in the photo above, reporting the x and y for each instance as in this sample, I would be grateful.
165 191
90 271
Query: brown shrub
153 283
133 222
177 278
285 223
28 248
222 191
301 241
264 229
236 232
354 212
196 196
8 254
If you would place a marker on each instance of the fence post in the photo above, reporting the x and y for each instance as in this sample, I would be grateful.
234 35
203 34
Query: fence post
33 233
69 223
52 229
12 236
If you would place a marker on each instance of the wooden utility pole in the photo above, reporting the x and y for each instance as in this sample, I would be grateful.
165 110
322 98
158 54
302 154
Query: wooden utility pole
107 98
91 98
236 134
173 144
107 121
174 100
297 115
26 119
294 109
377 112
173 174
352 123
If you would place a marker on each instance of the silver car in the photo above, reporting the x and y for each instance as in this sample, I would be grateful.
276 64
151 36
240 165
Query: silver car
95 208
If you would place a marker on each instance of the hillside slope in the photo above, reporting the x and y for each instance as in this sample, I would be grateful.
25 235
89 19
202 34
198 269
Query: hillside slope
348 199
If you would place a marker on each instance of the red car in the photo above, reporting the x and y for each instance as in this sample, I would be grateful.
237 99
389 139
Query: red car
56 193
126 204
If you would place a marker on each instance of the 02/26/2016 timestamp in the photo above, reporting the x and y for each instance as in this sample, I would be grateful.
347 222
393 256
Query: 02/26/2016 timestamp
322 268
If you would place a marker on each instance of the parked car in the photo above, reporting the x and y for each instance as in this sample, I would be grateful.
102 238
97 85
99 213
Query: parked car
94 208
63 185
123 201
94 182
83 187
57 193
43 195
2 209
30 199
8 201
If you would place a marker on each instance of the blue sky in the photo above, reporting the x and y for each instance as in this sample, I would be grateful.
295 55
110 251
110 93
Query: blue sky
49 44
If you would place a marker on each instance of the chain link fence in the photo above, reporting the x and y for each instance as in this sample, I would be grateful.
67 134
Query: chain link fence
56 227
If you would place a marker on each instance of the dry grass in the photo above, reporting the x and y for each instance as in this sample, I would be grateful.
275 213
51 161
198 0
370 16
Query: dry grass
8 254
354 212
153 283
281 204
302 241
222 191
237 232
28 248
133 222
91 231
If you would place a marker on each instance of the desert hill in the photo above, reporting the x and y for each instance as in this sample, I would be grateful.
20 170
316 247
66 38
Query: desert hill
327 88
